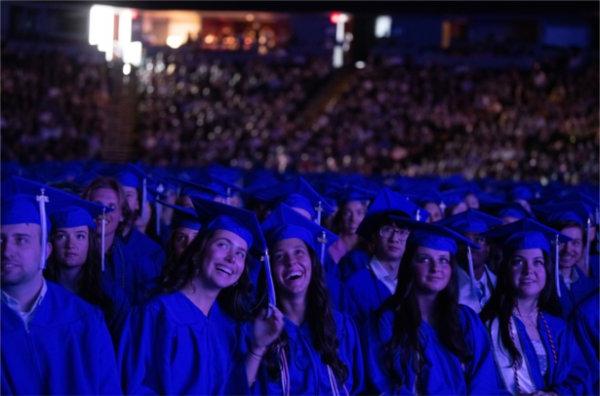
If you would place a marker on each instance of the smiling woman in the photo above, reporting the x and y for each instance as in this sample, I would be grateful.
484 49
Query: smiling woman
421 341
533 348
186 340
316 350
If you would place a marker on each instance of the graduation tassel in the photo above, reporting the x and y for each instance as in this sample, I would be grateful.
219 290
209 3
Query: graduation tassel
556 272
160 189
319 210
270 286
588 241
323 242
102 240
418 215
144 199
42 199
471 270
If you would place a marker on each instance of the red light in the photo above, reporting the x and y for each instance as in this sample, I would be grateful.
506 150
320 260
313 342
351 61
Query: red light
334 17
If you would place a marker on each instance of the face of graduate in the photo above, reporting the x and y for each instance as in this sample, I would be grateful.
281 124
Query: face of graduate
353 212
292 266
182 237
472 201
528 272
391 242
131 195
108 197
435 213
433 269
481 255
224 259
21 253
71 245
571 252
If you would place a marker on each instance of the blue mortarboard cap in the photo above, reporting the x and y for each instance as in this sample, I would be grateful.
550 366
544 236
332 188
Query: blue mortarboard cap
227 174
78 213
348 189
283 223
183 217
131 176
563 212
300 201
387 203
522 192
239 221
454 196
471 220
207 188
295 185
526 234
20 208
513 209
433 236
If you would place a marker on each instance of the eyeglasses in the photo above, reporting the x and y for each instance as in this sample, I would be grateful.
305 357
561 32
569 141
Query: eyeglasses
388 231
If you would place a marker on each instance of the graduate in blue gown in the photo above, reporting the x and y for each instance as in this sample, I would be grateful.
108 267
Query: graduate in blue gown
575 286
534 349
421 341
187 340
133 261
75 260
373 280
318 351
586 323
52 341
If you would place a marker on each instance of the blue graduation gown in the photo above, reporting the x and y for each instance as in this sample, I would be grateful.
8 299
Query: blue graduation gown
442 371
586 322
134 263
169 346
65 349
363 293
353 261
569 375
308 374
570 298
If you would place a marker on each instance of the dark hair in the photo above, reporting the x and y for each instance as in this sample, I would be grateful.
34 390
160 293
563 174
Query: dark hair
407 317
89 283
561 225
112 184
237 300
504 298
319 316
338 217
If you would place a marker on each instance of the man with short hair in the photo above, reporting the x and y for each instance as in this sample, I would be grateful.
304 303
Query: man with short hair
52 341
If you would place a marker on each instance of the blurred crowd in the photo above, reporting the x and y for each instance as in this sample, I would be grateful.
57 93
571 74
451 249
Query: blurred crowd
194 110
417 120
54 105
539 123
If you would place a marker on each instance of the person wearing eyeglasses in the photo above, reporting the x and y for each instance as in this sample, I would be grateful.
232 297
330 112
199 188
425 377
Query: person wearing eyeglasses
368 287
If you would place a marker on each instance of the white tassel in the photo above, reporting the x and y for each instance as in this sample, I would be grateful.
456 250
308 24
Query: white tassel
588 241
103 240
270 286
556 272
471 270
42 199
319 210
323 242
